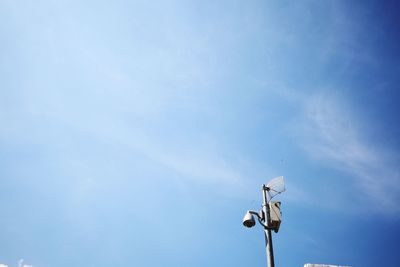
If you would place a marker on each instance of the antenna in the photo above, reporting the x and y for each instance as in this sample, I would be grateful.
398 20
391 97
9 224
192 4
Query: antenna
275 187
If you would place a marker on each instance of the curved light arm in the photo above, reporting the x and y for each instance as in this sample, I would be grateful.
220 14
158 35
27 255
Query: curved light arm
255 213
260 217
263 224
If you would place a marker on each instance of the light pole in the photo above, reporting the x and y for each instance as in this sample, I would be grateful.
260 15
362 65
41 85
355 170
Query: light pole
269 216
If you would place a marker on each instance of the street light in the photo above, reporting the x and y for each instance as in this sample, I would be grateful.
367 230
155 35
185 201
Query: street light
269 216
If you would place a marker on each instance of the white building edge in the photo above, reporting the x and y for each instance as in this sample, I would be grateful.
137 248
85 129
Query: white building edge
323 265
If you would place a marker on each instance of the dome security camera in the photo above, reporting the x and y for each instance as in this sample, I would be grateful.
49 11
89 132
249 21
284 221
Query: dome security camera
248 220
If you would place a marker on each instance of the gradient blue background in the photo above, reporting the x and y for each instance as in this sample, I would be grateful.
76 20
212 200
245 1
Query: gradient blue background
137 133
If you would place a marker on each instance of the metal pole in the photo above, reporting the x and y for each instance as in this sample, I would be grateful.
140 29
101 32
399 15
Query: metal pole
268 235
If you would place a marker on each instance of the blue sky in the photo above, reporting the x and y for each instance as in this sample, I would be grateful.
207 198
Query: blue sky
138 133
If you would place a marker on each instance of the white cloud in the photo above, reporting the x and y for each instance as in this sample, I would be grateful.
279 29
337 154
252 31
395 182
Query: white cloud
335 137
199 162
21 264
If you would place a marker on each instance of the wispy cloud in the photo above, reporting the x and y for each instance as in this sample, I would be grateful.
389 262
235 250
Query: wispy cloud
335 137
202 162
21 264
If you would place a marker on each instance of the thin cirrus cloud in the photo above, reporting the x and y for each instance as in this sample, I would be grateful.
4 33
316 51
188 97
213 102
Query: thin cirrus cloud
20 264
335 137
